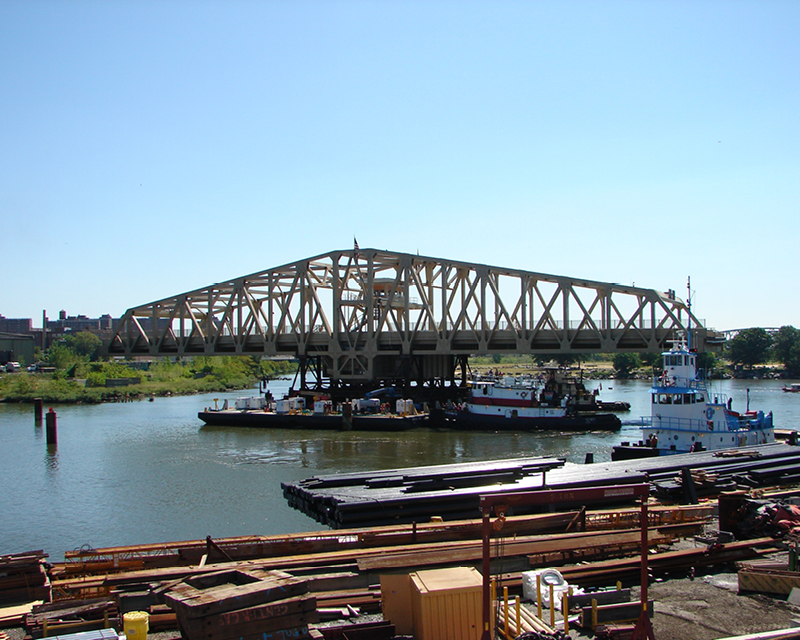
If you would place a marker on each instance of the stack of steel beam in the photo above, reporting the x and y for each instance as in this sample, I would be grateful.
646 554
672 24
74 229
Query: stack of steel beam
23 578
403 496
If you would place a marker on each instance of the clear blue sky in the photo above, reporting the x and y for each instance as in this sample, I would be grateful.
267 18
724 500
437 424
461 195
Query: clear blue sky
151 148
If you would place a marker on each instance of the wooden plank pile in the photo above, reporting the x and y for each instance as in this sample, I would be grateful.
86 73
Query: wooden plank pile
593 615
341 569
714 472
23 578
527 623
77 575
347 579
533 550
667 562
67 617
768 577
237 603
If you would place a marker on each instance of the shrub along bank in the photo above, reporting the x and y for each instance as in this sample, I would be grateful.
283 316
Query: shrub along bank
86 381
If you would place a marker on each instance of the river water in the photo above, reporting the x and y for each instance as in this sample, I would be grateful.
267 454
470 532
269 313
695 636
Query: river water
148 472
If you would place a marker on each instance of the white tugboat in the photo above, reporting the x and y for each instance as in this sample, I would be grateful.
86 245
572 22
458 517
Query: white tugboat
514 404
687 416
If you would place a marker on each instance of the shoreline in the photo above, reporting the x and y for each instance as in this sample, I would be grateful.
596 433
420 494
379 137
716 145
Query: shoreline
135 393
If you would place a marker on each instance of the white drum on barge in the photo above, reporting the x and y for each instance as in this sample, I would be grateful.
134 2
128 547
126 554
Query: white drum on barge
687 416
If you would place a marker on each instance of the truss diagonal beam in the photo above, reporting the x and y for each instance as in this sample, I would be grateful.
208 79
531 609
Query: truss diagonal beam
364 313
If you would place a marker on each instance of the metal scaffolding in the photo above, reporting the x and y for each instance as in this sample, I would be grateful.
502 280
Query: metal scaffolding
364 316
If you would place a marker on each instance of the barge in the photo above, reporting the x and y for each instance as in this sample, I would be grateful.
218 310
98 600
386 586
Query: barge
291 413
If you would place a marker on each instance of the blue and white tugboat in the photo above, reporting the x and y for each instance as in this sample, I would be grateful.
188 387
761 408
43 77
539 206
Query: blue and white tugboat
687 416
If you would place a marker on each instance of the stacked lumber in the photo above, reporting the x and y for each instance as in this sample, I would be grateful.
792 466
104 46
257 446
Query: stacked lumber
594 615
237 603
667 562
614 631
200 552
74 616
701 477
601 573
539 550
14 615
754 467
81 568
768 577
527 622
354 569
340 570
23 578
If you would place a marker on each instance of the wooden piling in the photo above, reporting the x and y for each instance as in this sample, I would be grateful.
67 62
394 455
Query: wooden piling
52 427
347 416
38 407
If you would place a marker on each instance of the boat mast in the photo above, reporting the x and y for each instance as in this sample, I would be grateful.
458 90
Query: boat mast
689 311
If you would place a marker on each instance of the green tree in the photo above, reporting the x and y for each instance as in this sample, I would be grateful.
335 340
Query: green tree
564 360
60 356
654 360
786 347
84 344
707 361
626 363
750 347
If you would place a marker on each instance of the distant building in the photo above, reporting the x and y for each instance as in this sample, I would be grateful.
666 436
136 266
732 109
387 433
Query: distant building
16 347
15 325
56 329
77 323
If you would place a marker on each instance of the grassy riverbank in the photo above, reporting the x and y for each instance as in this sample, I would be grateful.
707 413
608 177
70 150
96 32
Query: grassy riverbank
92 382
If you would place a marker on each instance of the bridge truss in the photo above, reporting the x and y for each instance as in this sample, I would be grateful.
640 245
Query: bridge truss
370 316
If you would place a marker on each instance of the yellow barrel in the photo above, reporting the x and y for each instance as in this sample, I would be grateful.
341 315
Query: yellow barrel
135 624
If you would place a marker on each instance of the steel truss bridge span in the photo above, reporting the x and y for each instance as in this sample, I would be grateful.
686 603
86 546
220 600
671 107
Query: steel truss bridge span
359 317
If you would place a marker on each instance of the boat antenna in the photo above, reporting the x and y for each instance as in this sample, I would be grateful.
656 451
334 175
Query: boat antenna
689 311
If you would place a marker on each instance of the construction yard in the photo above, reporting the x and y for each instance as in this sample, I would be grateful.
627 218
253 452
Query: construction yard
718 566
